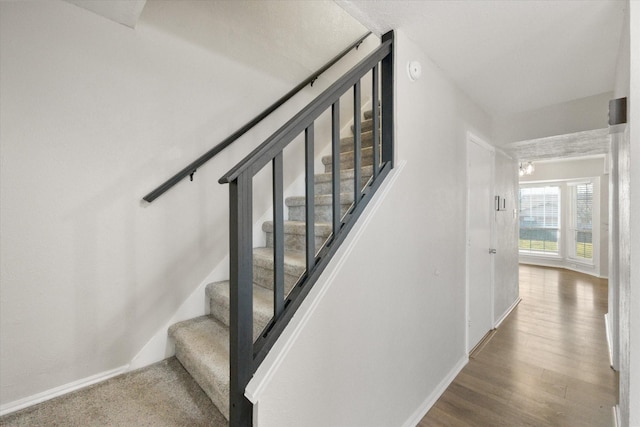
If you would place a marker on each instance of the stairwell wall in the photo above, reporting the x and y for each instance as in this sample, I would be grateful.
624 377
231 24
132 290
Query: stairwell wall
93 116
386 330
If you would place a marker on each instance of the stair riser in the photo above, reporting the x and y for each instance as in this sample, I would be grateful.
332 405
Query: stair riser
323 213
369 114
347 163
346 186
365 125
198 374
296 242
346 144
263 276
219 308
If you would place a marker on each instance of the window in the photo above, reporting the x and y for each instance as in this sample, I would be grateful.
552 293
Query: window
580 238
540 219
560 223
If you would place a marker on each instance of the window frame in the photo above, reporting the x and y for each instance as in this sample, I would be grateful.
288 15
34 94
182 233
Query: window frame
560 243
572 220
564 226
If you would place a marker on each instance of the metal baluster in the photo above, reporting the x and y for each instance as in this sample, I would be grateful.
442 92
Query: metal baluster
335 153
310 197
376 121
387 104
278 236
357 144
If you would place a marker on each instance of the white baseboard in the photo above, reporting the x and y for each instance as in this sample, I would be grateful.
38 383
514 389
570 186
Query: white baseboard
422 410
507 313
59 391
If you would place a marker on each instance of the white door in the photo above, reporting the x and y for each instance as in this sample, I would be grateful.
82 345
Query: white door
480 206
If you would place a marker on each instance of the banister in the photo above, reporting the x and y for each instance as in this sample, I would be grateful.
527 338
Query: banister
246 355
191 167
276 142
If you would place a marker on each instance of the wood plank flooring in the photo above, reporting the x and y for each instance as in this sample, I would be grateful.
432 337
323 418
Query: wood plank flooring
546 365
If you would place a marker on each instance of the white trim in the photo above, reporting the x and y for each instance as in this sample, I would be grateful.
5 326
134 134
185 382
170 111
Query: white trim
607 329
539 255
504 153
422 410
477 140
16 405
281 348
616 416
559 264
507 313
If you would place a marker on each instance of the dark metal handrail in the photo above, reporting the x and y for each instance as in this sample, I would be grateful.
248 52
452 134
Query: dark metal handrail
190 169
245 355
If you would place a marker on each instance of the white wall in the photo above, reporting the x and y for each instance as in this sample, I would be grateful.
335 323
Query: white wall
93 116
567 169
387 331
634 131
559 119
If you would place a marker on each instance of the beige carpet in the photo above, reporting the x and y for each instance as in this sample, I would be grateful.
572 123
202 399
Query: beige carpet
163 394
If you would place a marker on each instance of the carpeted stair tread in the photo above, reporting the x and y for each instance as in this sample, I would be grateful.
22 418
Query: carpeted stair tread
345 174
366 140
294 267
322 229
320 199
202 346
218 294
294 262
348 156
346 159
295 238
369 114
366 124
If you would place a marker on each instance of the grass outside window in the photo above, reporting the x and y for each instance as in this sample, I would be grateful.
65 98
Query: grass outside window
583 250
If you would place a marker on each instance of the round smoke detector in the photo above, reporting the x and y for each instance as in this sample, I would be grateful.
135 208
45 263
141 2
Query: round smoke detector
415 70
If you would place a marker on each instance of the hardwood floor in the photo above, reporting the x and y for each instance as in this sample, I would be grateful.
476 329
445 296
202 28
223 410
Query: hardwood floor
546 365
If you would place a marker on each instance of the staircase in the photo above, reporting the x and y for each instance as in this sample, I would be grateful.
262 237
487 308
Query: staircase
202 344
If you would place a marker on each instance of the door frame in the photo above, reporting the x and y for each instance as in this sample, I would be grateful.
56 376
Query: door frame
474 139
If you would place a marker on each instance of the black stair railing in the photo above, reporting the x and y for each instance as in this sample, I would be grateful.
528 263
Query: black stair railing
245 355
191 168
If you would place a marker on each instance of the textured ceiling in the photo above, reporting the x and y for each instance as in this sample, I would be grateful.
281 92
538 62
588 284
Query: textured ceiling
510 56
579 144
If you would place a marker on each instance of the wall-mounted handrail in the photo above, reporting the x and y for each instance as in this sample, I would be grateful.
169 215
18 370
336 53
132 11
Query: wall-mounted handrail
191 167
245 354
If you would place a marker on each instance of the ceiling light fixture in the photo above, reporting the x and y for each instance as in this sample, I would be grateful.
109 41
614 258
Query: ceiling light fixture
526 168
